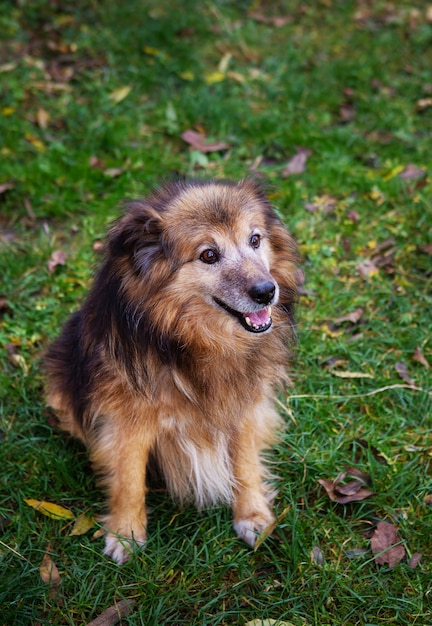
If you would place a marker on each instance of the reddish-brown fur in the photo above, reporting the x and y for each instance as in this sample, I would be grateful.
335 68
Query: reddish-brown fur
159 363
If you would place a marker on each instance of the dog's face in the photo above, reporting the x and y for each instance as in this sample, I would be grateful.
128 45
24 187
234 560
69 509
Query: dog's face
213 251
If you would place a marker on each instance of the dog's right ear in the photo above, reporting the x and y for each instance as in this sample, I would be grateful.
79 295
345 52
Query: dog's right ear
138 229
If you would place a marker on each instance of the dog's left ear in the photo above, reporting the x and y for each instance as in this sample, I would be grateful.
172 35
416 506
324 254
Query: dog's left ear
139 228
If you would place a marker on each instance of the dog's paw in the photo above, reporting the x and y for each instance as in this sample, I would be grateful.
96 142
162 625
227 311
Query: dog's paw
254 526
119 548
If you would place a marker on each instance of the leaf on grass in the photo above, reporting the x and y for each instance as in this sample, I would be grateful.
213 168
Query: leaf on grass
367 268
412 172
367 446
341 374
35 142
270 622
58 257
345 492
415 560
317 555
48 570
42 118
113 172
352 317
420 358
278 20
120 94
50 509
198 141
82 524
325 203
6 186
97 163
385 544
297 164
402 370
114 614
428 499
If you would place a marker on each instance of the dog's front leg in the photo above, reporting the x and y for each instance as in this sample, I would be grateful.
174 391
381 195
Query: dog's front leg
120 458
252 513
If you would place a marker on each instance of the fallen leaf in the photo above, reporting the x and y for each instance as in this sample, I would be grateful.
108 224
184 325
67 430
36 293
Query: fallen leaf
412 172
317 556
48 570
362 443
271 622
58 257
428 499
42 118
50 509
353 215
420 357
324 203
423 104
97 163
402 370
297 164
113 172
82 524
352 317
386 545
342 374
35 142
415 560
346 492
214 77
6 186
199 142
114 614
367 268
120 94
278 20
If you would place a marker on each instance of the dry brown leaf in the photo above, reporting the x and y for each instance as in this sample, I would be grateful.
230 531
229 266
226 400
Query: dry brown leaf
278 20
367 446
420 357
352 317
58 257
385 543
6 186
297 164
412 172
48 570
344 493
114 614
317 555
415 560
198 141
428 499
42 118
402 370
113 172
367 268
97 163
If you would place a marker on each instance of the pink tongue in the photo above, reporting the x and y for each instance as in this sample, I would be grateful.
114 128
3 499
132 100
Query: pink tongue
258 317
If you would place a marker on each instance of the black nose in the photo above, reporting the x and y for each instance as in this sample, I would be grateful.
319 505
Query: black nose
262 293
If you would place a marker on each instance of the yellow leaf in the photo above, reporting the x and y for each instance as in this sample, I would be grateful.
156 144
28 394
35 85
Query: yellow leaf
187 75
120 94
394 172
214 77
6 111
351 374
50 509
82 524
149 50
35 142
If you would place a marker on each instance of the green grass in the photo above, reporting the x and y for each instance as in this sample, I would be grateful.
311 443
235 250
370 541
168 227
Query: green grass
350 82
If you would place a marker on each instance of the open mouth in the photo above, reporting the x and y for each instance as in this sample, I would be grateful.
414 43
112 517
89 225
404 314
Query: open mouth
253 321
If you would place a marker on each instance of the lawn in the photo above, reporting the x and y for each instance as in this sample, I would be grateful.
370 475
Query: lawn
330 102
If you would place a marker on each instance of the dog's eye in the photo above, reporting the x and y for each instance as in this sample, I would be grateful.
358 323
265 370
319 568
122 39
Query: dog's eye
255 241
209 256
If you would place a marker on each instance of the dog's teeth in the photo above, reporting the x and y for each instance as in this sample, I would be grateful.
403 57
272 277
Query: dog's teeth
248 322
269 311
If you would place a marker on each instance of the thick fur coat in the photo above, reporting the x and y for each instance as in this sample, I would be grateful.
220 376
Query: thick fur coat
174 358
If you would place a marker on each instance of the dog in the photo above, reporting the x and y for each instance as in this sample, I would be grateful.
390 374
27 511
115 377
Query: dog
174 359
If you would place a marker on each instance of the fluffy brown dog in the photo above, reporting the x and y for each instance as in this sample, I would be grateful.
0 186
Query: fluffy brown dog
175 355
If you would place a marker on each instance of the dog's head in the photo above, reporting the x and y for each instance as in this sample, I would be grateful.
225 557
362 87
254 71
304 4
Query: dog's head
208 253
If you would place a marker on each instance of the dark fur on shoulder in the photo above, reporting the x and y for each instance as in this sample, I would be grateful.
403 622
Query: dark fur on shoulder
177 351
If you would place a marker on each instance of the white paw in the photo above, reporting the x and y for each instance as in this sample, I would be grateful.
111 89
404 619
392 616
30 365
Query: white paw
250 529
119 549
